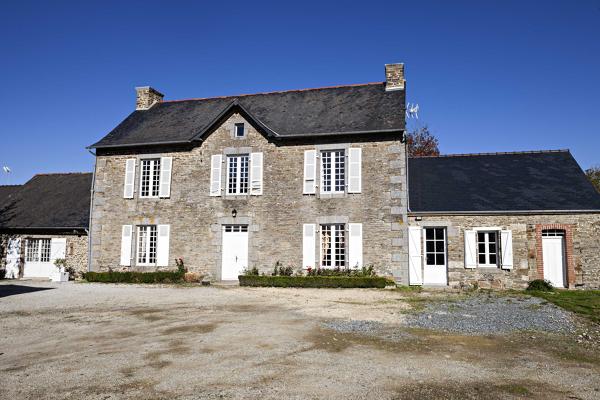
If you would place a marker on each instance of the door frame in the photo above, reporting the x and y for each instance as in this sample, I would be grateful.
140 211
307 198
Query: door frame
424 255
223 235
563 256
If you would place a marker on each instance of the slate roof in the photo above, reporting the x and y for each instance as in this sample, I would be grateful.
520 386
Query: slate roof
524 181
49 201
7 190
296 113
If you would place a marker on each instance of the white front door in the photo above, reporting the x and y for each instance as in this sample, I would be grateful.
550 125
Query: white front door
554 260
435 263
234 251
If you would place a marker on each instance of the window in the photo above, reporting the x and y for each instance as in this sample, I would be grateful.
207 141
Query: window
38 250
150 179
553 232
333 171
236 228
237 174
435 246
333 246
238 130
487 248
146 245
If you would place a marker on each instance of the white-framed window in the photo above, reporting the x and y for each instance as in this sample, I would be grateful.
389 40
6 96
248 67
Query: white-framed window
487 248
553 232
239 130
435 246
333 245
333 171
37 250
146 244
150 177
238 174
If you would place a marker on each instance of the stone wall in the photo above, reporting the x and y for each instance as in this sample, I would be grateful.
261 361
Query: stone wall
585 251
76 253
275 218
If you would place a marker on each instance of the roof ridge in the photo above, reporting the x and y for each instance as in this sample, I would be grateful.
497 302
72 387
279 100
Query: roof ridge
62 173
497 153
273 92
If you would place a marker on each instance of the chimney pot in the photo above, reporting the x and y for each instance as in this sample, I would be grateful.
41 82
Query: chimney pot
146 97
394 76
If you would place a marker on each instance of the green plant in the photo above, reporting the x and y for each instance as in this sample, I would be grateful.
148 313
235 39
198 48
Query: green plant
250 272
134 277
540 285
313 281
60 263
180 265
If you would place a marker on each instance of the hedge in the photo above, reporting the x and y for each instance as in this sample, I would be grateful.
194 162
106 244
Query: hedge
134 277
314 281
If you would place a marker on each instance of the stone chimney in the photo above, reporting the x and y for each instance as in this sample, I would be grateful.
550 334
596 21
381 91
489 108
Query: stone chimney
394 76
147 97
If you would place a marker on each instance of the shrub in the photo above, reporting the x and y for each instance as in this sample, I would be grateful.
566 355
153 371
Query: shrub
314 281
250 272
367 270
134 277
540 285
192 277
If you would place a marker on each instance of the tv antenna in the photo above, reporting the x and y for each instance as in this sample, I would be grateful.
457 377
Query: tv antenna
6 170
412 110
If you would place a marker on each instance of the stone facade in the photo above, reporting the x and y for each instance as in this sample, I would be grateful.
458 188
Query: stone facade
76 253
582 233
275 218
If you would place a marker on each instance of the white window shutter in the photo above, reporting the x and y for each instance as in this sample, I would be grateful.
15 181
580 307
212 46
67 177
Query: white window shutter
58 248
355 246
470 249
308 245
126 234
507 249
354 170
415 257
215 174
256 173
162 246
310 171
129 178
13 258
166 165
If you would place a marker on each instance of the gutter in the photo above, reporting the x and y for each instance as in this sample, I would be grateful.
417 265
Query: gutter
89 230
501 212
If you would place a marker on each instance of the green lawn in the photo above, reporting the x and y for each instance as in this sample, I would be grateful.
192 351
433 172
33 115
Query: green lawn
582 302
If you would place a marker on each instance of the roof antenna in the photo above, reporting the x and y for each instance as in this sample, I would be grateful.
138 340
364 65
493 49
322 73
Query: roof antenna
412 111
6 170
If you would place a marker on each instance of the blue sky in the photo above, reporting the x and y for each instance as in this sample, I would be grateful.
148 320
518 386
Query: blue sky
489 76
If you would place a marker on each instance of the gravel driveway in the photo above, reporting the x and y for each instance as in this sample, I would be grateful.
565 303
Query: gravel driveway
94 341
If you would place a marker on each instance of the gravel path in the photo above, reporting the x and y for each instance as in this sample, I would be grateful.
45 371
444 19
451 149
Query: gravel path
479 315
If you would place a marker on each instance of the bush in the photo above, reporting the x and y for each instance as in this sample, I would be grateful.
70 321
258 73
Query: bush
192 277
250 272
368 270
134 277
540 285
314 281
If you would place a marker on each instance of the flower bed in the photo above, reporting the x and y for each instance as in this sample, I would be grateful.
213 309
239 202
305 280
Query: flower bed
135 277
314 281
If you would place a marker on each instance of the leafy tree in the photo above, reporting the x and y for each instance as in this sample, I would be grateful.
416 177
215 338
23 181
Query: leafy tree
593 175
421 142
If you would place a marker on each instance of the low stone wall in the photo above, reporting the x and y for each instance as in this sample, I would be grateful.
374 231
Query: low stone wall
582 248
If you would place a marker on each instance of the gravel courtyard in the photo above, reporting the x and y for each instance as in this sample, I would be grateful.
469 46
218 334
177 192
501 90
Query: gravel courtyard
94 341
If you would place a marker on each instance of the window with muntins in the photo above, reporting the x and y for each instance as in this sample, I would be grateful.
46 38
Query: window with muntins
150 178
333 171
237 174
38 250
435 246
239 130
146 245
333 245
487 248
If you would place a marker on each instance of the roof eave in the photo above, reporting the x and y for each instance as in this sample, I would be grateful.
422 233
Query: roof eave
502 212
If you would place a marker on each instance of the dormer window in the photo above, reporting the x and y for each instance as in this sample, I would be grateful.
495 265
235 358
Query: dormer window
239 130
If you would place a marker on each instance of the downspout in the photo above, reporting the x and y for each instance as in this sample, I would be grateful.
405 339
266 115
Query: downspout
404 138
89 230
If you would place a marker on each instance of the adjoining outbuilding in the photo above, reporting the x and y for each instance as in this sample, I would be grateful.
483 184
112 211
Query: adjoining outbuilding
43 220
500 220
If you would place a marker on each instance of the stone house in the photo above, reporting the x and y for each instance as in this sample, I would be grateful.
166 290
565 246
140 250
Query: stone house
42 220
311 178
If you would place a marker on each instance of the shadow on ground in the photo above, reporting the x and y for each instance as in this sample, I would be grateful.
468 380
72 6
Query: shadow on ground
12 290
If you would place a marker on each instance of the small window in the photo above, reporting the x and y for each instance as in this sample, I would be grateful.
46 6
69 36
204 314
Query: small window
333 171
150 178
146 248
333 246
487 248
553 232
239 130
238 174
435 246
236 228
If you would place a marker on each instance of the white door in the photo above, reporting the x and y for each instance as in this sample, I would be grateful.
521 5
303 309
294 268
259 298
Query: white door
38 259
234 251
554 260
435 270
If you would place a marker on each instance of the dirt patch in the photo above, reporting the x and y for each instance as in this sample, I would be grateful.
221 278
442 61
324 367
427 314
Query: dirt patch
195 328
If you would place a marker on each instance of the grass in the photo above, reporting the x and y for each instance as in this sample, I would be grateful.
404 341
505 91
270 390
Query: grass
583 302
